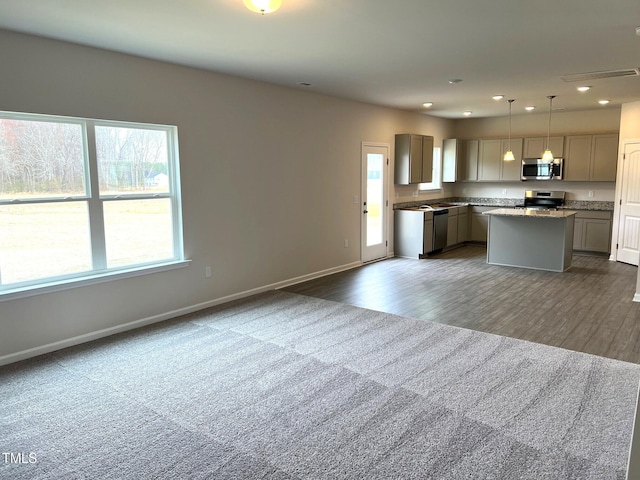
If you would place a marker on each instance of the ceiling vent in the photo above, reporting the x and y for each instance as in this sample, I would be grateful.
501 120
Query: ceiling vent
585 77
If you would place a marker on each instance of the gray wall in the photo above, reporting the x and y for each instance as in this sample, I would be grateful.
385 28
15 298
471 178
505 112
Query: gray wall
268 179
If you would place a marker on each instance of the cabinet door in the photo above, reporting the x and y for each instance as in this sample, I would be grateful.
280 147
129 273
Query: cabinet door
415 159
451 160
511 171
578 229
427 236
471 160
534 147
489 159
479 227
577 163
596 235
463 227
452 230
426 166
604 158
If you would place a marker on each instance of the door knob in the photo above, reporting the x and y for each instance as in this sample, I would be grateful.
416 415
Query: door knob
365 211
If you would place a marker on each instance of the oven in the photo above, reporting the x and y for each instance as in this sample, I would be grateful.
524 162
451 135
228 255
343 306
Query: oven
543 199
539 169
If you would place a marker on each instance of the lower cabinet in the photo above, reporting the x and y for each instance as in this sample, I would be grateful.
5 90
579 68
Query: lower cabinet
413 233
479 224
592 231
452 230
463 224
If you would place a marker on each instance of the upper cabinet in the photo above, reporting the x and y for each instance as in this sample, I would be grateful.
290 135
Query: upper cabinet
452 160
534 147
470 161
413 159
492 167
591 158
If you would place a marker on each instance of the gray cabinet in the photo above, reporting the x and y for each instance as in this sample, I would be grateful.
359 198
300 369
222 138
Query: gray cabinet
413 233
452 160
492 167
479 224
413 159
592 232
591 158
463 224
534 147
452 227
470 161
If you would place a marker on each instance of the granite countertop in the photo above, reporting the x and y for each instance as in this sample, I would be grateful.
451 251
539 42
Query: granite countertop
506 203
521 212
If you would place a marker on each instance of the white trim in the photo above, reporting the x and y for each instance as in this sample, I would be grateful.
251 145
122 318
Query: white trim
636 297
70 342
90 279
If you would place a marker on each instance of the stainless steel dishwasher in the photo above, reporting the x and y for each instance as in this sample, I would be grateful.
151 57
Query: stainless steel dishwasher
440 226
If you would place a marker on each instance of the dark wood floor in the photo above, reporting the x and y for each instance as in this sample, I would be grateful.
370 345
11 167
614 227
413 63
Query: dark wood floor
588 308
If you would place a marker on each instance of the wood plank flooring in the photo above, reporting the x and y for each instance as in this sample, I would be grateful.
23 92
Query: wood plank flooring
588 308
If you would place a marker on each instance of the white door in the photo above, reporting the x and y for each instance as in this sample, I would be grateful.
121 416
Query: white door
375 163
629 218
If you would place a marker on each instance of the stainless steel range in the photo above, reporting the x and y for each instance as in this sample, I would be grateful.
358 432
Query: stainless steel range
543 199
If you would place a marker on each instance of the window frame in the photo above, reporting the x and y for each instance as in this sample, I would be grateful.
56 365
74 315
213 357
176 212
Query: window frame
95 208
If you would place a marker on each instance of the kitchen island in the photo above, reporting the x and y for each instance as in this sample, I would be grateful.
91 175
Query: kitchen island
538 239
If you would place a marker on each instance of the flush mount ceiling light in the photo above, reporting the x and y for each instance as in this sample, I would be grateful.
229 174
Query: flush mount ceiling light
427 104
584 89
547 155
498 97
467 113
509 157
529 108
603 102
263 6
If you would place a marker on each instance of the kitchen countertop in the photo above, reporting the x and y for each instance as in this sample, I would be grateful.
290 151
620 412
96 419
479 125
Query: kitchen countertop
521 212
506 203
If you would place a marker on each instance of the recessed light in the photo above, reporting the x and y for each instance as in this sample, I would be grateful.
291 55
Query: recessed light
603 102
467 113
584 89
427 104
528 108
498 97
453 81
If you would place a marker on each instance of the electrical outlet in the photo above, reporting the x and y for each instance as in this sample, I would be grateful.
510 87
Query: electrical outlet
346 243
591 194
504 191
207 272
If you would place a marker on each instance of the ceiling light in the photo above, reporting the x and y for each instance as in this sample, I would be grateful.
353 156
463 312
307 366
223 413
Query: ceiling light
498 97
603 102
427 104
263 6
529 108
547 155
453 81
584 89
508 157
467 113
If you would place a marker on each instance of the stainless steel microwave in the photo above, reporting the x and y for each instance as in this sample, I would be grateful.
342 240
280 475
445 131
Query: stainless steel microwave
539 169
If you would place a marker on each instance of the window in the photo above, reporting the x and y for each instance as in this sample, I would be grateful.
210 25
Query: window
80 198
436 179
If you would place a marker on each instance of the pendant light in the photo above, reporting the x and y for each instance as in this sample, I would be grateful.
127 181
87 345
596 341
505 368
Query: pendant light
263 6
509 157
547 155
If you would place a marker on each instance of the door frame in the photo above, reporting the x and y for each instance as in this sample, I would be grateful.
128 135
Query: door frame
385 210
615 227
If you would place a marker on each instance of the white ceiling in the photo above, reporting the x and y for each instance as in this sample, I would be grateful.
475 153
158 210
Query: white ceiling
397 53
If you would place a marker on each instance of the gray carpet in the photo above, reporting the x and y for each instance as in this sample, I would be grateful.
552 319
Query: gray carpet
283 386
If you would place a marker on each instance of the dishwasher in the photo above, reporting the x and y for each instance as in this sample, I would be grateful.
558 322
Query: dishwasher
440 226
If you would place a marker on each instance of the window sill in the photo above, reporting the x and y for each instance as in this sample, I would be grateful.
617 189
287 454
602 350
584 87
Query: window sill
90 279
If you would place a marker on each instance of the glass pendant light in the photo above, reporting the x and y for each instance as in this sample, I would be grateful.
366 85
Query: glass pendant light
547 155
509 157
263 6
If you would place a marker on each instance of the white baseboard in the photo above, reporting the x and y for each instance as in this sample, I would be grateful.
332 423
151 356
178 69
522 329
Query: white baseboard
70 342
636 297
